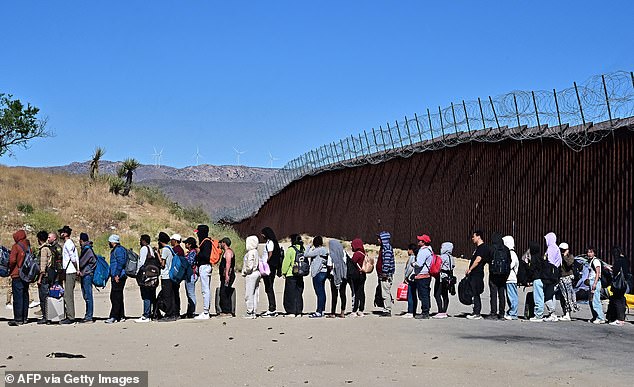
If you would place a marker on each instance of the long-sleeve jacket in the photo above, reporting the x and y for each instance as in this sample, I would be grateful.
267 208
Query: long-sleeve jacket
289 260
118 258
87 260
17 255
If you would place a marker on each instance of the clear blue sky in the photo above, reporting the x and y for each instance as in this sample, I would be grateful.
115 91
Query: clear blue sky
280 76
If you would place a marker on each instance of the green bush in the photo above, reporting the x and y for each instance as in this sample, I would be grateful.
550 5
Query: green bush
44 220
120 216
195 215
25 208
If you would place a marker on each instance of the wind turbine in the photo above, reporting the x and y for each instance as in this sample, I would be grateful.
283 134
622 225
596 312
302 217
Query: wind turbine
238 153
159 155
271 159
156 157
198 156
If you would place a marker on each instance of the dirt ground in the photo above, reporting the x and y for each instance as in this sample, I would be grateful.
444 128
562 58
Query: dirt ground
287 351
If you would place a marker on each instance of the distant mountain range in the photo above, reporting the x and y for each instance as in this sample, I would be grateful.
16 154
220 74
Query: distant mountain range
209 186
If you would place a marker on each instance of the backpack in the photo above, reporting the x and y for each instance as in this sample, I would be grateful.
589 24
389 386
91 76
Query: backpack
102 272
216 252
465 291
352 271
132 264
606 274
30 268
368 264
4 261
436 265
301 266
500 262
149 273
180 267
263 265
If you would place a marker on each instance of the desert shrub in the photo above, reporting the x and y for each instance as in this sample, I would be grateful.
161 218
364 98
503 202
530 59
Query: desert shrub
44 220
119 216
25 208
195 215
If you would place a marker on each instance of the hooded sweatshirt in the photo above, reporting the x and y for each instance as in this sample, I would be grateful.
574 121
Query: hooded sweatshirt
553 252
537 260
446 249
204 251
509 242
386 256
17 255
338 258
359 252
250 263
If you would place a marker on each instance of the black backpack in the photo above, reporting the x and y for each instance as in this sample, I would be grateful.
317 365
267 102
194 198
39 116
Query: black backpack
30 269
149 273
465 291
500 264
301 266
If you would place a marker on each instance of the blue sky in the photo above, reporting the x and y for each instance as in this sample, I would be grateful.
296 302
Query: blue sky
280 76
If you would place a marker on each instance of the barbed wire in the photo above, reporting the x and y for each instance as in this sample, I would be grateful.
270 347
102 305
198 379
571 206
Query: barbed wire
578 116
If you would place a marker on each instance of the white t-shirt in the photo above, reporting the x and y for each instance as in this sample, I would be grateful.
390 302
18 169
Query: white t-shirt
593 267
143 255
269 247
166 254
69 254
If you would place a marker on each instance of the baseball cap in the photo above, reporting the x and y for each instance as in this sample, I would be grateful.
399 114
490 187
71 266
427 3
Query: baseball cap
564 246
425 238
176 237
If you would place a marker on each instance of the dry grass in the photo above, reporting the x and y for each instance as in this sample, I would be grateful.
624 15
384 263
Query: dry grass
48 201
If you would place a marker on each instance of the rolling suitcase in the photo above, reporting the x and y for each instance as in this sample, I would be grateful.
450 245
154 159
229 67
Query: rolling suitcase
55 309
233 302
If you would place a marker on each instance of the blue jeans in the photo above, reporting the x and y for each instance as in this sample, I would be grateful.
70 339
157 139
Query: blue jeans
148 295
412 299
190 290
86 291
20 291
424 288
512 299
538 296
595 305
319 283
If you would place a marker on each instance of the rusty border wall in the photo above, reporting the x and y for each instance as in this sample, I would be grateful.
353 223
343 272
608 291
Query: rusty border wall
520 188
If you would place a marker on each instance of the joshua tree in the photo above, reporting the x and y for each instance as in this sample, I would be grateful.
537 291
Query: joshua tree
128 166
94 163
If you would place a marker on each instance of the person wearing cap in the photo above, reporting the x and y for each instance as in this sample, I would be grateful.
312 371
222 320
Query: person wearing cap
568 295
70 263
118 258
166 295
422 278
204 268
175 242
190 283
87 265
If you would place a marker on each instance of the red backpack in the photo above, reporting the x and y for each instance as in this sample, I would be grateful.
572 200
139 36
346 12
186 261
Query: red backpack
436 265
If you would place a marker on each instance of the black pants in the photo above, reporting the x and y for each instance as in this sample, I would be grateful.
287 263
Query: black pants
293 295
42 291
176 288
20 291
167 295
477 286
269 280
497 292
341 292
616 308
358 284
441 294
117 311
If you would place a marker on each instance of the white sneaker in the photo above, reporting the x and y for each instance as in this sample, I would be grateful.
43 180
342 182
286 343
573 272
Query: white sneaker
202 316
250 316
536 319
360 314
34 304
142 320
565 317
510 318
407 315
597 321
617 323
551 318
269 314
474 317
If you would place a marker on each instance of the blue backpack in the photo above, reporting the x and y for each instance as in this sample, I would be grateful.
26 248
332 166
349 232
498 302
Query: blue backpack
102 273
4 261
180 268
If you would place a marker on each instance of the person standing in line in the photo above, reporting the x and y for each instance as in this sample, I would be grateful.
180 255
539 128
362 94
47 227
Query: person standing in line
358 280
167 285
617 304
385 268
70 262
422 277
227 271
318 256
190 283
442 282
511 281
568 295
175 242
43 283
252 276
118 258
87 266
204 268
148 293
475 272
544 286
274 253
497 282
19 287
294 284
338 276
408 278
594 279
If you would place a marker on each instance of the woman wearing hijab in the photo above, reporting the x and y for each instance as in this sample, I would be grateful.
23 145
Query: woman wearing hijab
274 255
358 280
252 276
338 274
318 256
293 285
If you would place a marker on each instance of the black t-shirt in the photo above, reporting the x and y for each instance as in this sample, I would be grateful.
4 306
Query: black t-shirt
484 252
